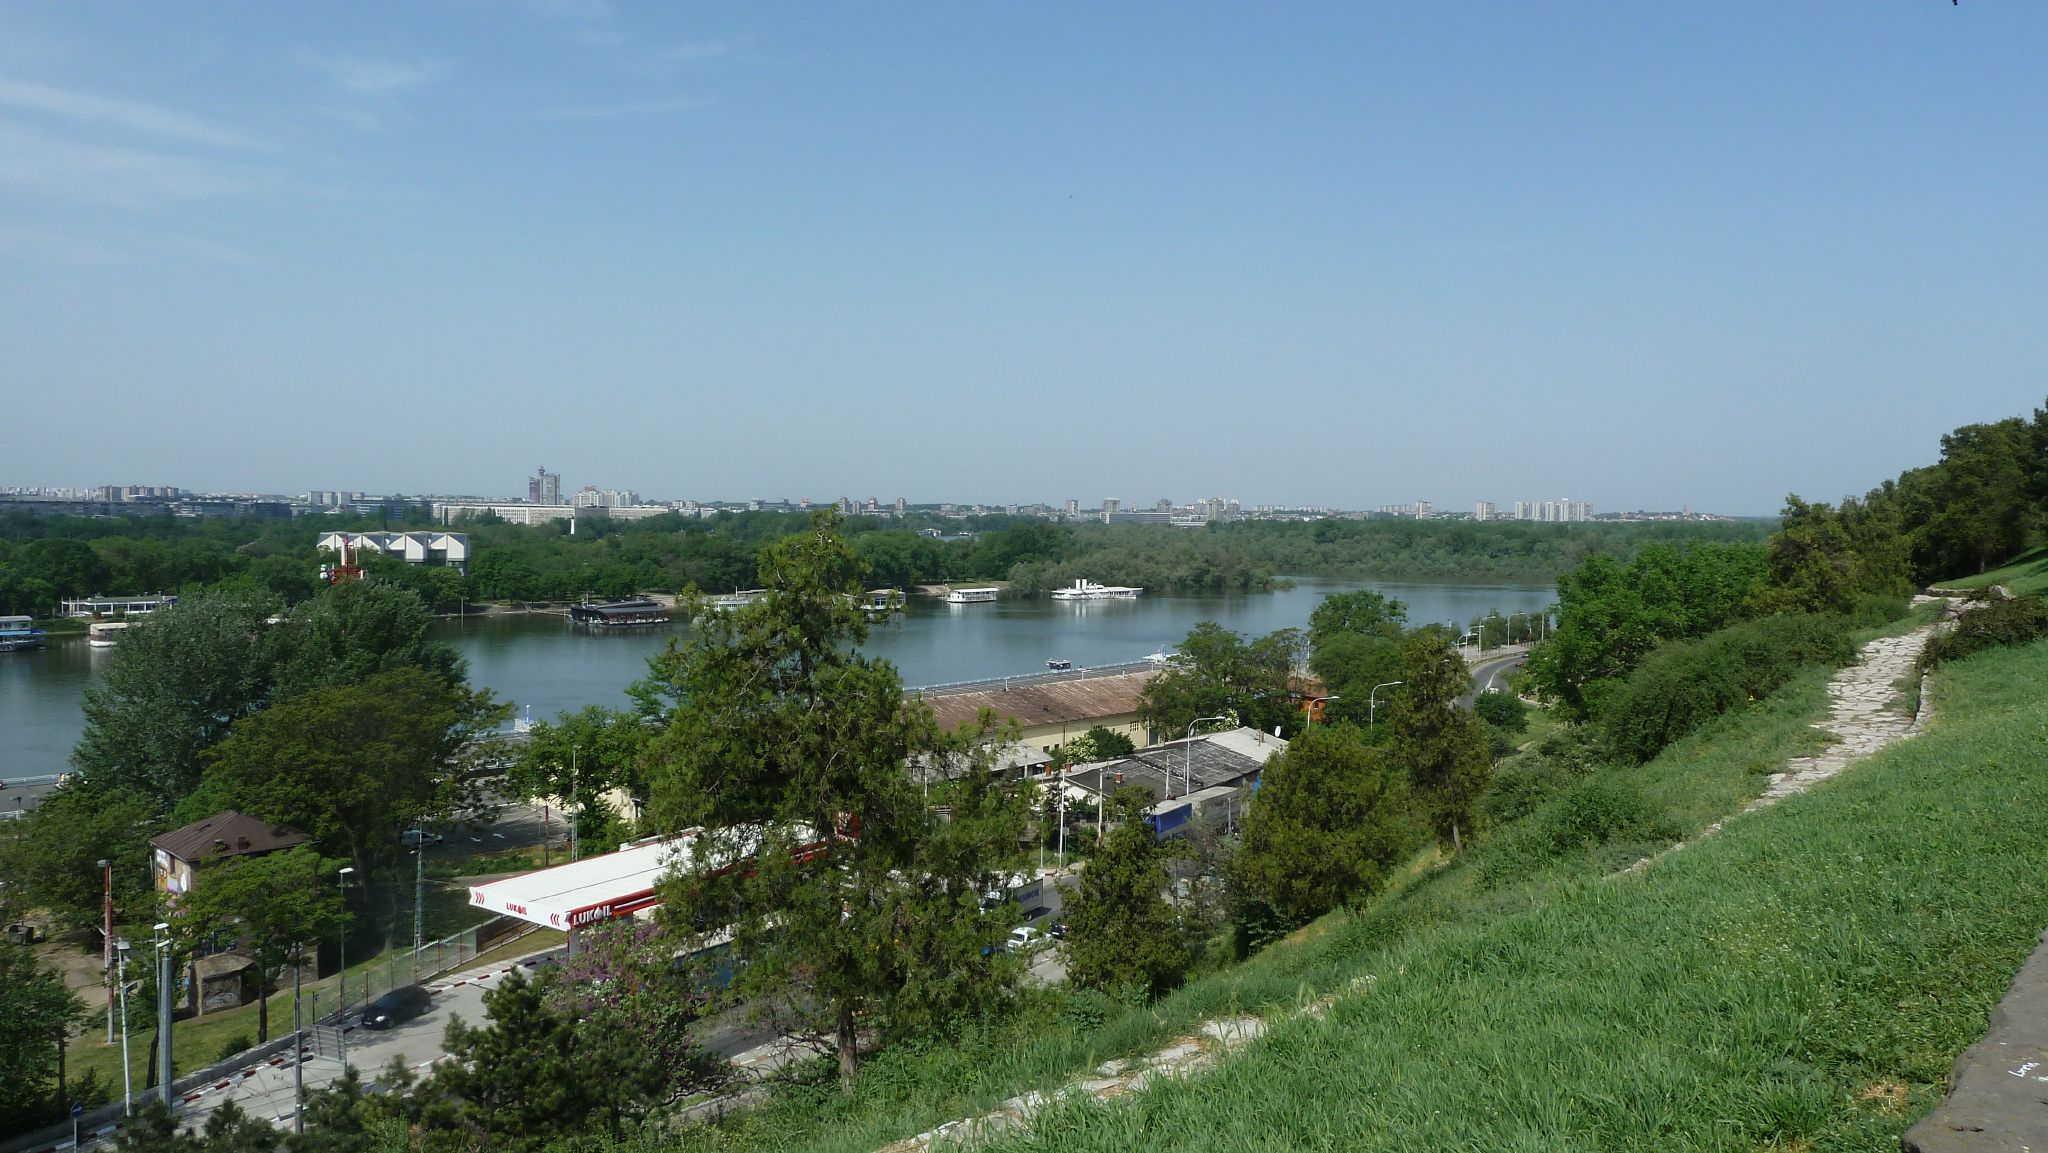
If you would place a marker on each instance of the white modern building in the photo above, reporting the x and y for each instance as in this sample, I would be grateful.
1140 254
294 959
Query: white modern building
432 548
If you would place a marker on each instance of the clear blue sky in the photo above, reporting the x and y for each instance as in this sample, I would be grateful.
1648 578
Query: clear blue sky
1639 254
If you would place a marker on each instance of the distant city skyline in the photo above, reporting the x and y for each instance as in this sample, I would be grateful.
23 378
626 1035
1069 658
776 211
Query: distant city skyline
1633 255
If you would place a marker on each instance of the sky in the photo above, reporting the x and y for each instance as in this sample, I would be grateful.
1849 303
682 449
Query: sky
1645 255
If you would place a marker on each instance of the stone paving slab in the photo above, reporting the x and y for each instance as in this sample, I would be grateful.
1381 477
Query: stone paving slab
1998 1091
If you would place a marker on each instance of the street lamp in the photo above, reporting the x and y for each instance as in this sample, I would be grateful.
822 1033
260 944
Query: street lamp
1187 775
1511 625
341 1019
107 942
1309 712
346 871
121 989
163 1012
1372 701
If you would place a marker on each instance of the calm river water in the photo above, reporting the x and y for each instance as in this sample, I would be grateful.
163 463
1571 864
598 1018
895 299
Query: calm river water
548 665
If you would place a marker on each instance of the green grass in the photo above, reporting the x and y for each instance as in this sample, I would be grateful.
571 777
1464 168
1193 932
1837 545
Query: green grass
1769 987
2027 574
1778 985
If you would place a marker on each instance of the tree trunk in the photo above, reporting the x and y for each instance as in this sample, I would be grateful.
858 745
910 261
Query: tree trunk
1457 842
262 999
849 1051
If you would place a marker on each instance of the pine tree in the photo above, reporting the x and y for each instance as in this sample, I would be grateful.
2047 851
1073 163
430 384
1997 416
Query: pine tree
1120 930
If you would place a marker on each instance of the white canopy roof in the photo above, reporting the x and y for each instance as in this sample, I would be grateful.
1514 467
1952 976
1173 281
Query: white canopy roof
592 889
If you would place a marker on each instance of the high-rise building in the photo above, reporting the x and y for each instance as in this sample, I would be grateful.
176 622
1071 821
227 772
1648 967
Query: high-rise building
902 506
1483 510
544 489
1073 507
1109 507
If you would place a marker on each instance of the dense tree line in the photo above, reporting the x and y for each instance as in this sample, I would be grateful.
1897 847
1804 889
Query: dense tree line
44 559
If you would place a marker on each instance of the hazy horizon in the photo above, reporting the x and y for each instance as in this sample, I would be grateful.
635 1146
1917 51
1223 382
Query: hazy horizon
1643 257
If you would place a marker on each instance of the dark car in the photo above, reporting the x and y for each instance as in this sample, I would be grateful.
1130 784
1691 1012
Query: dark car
397 1006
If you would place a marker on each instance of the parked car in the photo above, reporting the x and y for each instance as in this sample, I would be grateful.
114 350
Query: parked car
1023 939
1057 930
397 1006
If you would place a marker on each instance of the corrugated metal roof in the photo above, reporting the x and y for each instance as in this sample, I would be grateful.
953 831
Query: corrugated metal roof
1045 703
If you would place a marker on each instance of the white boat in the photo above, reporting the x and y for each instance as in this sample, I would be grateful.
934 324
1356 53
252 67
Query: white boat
105 634
737 599
1088 590
1159 658
971 596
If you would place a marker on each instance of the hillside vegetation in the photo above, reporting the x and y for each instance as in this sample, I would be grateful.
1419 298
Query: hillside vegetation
1803 980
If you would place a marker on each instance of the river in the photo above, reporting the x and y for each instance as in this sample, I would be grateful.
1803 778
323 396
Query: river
544 664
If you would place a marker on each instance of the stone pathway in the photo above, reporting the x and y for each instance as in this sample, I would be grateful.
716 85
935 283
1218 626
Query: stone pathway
1863 717
1863 713
1210 1043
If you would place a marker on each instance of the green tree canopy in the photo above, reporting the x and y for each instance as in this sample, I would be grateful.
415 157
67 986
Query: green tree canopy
174 688
269 905
1217 673
35 1010
1120 930
353 764
54 853
1442 747
1332 816
790 748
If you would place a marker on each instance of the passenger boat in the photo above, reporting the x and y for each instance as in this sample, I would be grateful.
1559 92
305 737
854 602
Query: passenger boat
971 596
105 634
1059 664
1087 590
880 604
737 599
19 634
628 613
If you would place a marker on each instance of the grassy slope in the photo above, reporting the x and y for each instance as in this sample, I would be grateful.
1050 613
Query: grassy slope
1701 779
1772 986
2027 574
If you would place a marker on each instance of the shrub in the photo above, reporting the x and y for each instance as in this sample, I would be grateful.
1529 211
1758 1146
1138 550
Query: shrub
1878 609
233 1046
1601 809
1990 624
1684 685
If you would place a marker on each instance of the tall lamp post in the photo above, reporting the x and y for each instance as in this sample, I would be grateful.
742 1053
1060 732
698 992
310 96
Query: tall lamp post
121 990
1309 712
107 942
165 1074
1187 774
1372 701
341 1019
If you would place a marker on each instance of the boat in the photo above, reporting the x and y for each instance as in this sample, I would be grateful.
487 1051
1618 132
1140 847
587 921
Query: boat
19 634
971 596
1059 664
1159 658
1088 590
880 604
737 599
627 613
105 634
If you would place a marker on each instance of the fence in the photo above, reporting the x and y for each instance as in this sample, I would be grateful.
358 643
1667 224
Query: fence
402 967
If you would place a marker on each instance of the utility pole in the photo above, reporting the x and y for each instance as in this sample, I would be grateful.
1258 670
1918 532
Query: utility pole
107 943
163 1012
576 821
298 1044
127 1065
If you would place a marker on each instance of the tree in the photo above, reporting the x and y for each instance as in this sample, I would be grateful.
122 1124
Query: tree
271 905
1360 613
1332 815
1216 673
1442 747
516 1082
1120 930
632 1004
354 631
790 748
353 764
55 852
580 757
71 567
1097 744
35 1011
175 687
1982 507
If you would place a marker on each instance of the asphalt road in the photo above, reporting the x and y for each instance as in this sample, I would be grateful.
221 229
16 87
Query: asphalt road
1489 674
